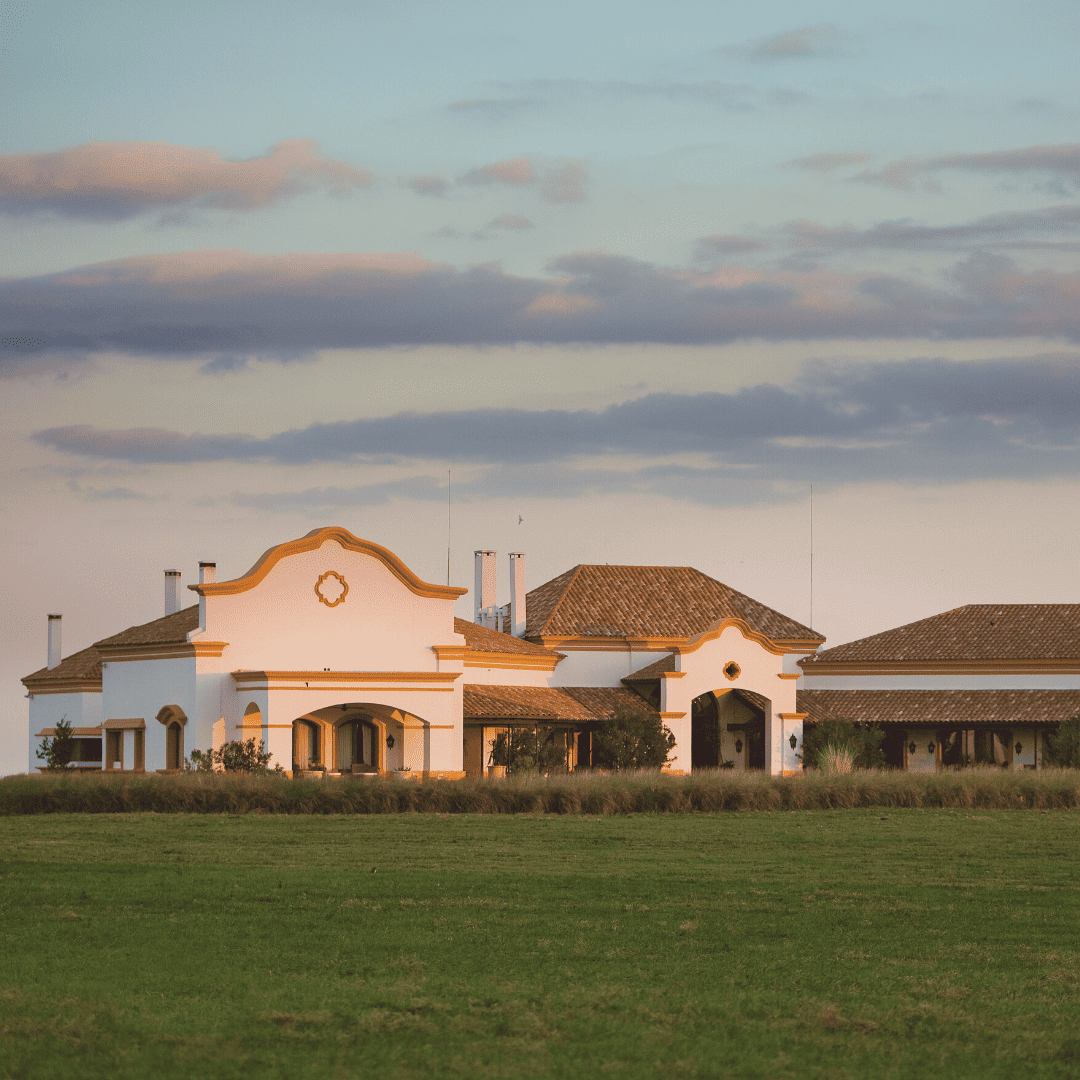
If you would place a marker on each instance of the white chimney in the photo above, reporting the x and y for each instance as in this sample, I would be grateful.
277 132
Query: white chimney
172 591
54 641
207 573
517 592
484 592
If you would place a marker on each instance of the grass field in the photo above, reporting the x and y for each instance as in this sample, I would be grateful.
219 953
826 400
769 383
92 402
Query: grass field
840 943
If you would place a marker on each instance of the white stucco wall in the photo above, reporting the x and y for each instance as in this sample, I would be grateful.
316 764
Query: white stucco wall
600 667
280 623
46 710
702 671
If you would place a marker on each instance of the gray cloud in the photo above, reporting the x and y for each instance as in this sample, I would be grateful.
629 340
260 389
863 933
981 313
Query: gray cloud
511 222
566 182
920 420
711 93
204 303
1014 230
427 185
1061 163
729 244
799 44
829 161
113 181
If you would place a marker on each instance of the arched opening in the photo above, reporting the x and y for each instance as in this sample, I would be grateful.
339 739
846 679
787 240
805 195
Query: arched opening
307 745
174 745
174 720
727 730
358 745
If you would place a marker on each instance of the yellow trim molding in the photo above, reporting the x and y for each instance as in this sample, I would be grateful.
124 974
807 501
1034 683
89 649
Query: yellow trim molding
788 675
672 715
312 542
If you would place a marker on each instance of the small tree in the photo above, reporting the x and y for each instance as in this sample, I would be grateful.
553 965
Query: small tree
632 739
831 744
1063 748
59 751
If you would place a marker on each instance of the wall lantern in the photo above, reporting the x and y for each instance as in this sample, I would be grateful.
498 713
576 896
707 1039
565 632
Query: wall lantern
793 741
389 742
738 746
930 749
911 748
1019 748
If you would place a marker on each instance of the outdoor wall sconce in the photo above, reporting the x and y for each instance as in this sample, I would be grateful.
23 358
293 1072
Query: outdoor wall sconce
738 746
930 749
1019 748
389 742
911 748
793 742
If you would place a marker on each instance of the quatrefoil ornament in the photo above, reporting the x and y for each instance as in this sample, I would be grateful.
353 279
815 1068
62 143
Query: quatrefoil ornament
331 588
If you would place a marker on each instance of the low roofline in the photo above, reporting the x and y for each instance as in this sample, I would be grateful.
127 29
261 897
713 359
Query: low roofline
315 539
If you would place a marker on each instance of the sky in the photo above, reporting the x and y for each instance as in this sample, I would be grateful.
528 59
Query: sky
596 282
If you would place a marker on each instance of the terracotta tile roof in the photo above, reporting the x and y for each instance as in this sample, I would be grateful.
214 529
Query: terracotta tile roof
940 706
484 702
164 631
647 601
605 701
484 639
653 671
974 632
573 704
759 701
84 665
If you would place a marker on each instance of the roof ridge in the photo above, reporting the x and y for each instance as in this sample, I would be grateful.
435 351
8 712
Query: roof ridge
574 571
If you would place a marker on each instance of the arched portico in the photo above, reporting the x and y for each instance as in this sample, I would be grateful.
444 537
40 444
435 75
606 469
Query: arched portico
361 738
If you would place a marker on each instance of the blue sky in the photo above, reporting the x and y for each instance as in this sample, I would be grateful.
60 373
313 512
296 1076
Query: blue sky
639 274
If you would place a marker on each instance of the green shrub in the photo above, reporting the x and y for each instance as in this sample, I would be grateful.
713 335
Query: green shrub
241 757
59 751
862 743
1063 748
632 739
530 750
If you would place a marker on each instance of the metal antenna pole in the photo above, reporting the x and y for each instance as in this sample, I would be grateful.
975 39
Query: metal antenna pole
811 556
447 526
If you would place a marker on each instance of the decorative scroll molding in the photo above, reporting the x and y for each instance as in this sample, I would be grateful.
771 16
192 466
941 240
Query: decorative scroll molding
344 588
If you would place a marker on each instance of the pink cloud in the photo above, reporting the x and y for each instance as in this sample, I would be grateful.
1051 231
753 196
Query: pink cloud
112 181
517 171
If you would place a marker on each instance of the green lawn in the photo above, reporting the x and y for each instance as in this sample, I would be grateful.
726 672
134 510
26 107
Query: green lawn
857 943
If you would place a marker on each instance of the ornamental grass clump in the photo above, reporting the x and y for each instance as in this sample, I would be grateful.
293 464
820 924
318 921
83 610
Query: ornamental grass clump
593 794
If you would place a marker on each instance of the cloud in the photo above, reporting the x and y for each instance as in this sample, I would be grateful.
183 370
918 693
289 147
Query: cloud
560 182
806 41
203 303
830 161
225 364
1060 162
923 420
515 171
501 108
421 488
729 244
566 183
427 185
114 181
511 222
732 97
1013 230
